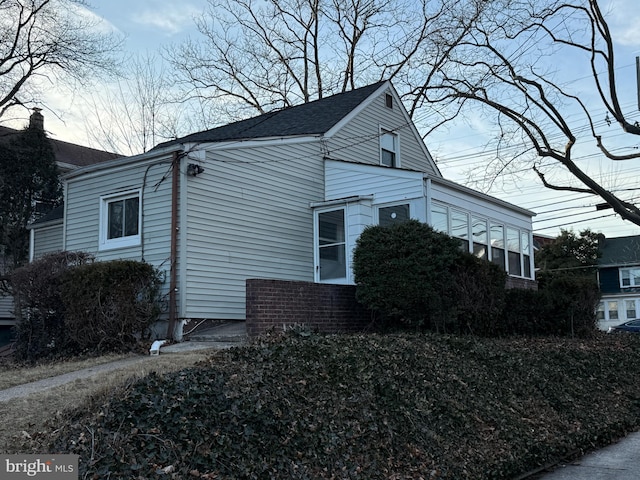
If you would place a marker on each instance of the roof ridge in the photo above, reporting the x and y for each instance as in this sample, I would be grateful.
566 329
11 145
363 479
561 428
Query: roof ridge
309 118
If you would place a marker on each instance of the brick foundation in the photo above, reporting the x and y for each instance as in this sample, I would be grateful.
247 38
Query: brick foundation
523 283
326 308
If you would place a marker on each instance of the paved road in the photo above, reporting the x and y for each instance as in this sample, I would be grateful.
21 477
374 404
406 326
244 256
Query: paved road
620 461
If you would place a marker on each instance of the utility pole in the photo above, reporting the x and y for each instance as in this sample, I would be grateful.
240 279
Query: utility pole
638 79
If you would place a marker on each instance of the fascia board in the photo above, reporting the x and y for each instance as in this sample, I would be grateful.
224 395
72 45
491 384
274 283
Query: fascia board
122 163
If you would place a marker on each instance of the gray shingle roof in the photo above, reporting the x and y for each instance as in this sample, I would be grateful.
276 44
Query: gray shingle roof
620 251
311 118
56 213
65 152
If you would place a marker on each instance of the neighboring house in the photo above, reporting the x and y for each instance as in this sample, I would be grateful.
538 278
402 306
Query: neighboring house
69 157
282 196
619 280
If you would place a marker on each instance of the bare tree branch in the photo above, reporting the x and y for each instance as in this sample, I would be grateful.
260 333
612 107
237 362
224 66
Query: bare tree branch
48 39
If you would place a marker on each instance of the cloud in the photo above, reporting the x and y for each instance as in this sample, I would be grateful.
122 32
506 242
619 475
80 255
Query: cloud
168 17
623 17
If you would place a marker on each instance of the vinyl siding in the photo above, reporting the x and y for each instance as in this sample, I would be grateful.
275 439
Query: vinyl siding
609 280
359 141
248 216
386 184
6 307
47 240
82 213
480 206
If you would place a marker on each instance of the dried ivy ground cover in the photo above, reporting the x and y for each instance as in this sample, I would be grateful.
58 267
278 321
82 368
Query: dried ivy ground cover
396 406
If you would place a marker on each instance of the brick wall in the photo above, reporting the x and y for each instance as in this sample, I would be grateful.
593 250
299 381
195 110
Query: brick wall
326 308
523 283
322 307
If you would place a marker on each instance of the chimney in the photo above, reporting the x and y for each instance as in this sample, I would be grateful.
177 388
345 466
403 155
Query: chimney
36 120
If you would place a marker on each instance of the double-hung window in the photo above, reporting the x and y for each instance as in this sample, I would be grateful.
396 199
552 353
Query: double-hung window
388 149
120 220
630 277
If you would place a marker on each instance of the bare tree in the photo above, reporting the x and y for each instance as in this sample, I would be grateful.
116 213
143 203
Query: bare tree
45 40
504 67
255 56
134 113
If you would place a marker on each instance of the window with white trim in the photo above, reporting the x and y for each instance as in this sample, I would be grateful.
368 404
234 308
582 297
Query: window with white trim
460 228
630 307
440 218
497 245
479 233
120 220
506 246
388 149
630 277
513 248
331 245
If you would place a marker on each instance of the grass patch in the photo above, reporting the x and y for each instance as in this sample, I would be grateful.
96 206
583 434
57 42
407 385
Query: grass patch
23 419
12 374
370 407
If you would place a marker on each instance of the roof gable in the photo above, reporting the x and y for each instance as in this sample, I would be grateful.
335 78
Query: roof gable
312 118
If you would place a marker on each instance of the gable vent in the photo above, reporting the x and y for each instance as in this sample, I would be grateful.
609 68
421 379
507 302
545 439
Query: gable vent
388 100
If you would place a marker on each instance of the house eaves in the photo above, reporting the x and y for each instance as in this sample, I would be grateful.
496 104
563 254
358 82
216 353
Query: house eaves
123 162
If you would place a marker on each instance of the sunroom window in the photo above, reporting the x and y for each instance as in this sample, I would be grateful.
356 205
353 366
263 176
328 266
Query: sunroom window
497 245
120 220
479 232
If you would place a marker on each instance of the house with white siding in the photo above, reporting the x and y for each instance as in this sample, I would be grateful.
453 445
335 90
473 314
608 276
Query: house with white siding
281 196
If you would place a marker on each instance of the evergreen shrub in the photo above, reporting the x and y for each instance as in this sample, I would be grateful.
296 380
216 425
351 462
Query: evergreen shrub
480 296
40 330
406 273
110 306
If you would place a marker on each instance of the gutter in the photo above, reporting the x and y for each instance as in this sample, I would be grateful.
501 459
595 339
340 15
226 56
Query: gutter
121 162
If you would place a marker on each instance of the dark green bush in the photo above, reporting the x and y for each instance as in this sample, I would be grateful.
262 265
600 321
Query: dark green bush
480 296
365 407
571 301
565 306
406 273
40 331
524 313
110 305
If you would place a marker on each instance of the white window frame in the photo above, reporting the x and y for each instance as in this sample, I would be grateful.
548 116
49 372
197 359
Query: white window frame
390 205
316 241
396 146
491 222
632 283
120 242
